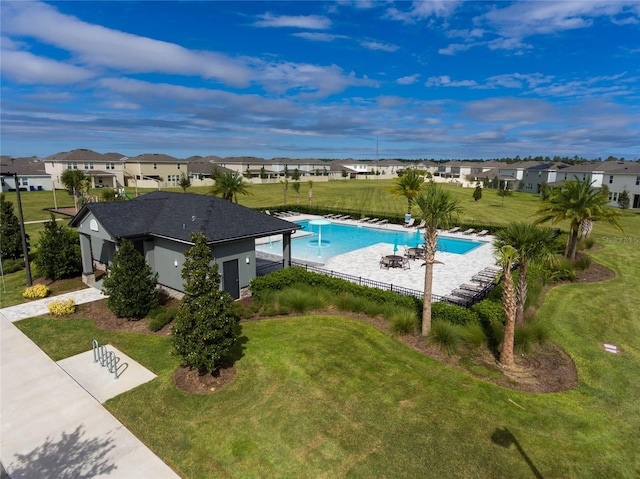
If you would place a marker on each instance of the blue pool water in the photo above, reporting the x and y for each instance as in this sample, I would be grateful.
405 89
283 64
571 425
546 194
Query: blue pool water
334 239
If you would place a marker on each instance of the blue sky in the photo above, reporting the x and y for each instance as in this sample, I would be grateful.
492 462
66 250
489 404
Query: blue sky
307 79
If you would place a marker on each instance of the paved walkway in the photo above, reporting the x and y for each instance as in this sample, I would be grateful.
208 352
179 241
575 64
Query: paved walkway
50 426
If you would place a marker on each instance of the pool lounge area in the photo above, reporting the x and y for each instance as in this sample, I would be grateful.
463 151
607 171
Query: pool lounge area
452 270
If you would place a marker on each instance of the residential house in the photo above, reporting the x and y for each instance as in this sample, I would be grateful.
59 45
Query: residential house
616 176
30 172
160 225
542 173
154 170
103 170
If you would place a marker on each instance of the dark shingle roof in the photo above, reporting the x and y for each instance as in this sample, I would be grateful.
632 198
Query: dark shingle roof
177 215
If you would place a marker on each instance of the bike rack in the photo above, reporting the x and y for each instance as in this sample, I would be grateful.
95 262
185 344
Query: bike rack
108 359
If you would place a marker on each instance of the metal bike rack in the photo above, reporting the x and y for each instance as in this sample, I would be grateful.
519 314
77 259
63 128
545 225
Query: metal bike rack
108 359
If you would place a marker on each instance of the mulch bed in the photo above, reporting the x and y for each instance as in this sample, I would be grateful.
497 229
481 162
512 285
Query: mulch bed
547 369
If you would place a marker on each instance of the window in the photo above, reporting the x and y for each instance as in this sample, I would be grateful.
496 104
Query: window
613 196
610 179
155 166
88 166
110 166
72 166
24 181
178 165
637 180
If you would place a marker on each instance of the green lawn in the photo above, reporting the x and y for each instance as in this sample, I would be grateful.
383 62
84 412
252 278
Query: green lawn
332 397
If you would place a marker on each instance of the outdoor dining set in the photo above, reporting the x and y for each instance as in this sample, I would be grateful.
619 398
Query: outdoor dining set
401 261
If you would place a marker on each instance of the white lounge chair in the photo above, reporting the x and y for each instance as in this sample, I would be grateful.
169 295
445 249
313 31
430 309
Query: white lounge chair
454 230
468 232
421 225
363 220
410 223
482 233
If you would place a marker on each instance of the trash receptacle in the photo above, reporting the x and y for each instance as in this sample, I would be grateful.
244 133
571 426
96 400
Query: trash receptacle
407 218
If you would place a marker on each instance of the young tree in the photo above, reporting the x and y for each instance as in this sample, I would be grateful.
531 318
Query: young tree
10 237
296 188
73 181
310 183
204 330
624 200
229 185
477 193
504 192
184 182
58 251
130 284
409 185
285 187
507 256
532 244
439 207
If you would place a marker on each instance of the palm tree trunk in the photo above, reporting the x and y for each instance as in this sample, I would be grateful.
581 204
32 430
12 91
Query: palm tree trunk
430 246
573 243
509 304
428 288
521 294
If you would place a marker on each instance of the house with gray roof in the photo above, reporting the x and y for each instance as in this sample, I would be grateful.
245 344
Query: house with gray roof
160 225
30 172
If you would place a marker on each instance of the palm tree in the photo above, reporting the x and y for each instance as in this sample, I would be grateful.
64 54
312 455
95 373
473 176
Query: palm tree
507 256
310 183
285 187
577 201
409 185
296 188
438 207
229 185
532 243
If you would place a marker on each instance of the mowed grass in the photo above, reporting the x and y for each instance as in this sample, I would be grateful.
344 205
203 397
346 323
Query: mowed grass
332 397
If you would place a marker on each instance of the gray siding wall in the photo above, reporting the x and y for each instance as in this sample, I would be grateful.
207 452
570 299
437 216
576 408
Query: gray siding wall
240 250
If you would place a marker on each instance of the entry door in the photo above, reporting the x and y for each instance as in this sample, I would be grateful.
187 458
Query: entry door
230 278
636 201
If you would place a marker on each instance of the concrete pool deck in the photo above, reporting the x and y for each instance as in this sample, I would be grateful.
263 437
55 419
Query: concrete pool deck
454 270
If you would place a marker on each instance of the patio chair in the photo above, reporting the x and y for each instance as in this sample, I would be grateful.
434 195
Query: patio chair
468 232
454 230
410 223
482 233
364 220
385 262
373 221
382 222
267 212
421 225
405 263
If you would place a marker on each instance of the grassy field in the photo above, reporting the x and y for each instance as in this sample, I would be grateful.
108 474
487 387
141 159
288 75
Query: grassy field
332 397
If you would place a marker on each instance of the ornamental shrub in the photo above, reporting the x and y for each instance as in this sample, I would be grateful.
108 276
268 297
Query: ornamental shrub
162 319
447 336
62 307
37 291
58 251
205 330
130 284
452 314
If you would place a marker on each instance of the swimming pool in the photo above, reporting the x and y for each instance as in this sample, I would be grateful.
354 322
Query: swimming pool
326 241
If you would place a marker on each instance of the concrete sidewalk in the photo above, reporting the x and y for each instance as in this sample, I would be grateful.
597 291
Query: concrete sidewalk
51 426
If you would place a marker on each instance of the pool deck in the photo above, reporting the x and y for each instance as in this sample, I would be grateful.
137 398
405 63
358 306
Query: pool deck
454 269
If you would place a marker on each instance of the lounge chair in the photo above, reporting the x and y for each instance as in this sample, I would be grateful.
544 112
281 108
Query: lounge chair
410 223
421 225
454 230
482 233
267 212
364 220
382 222
472 287
456 300
468 232
373 221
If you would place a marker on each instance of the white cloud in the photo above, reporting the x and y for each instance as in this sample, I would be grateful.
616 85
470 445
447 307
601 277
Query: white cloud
445 80
313 22
523 19
454 48
319 37
386 47
26 68
408 80
103 47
